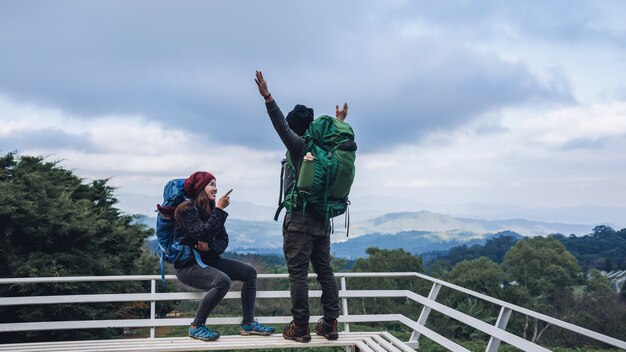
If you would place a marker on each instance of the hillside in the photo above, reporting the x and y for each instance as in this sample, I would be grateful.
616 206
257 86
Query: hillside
415 242
433 222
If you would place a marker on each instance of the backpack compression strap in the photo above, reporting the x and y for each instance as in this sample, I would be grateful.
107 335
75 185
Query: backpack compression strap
280 194
162 271
196 255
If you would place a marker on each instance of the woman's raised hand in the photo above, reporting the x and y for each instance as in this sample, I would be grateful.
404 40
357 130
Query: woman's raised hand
224 201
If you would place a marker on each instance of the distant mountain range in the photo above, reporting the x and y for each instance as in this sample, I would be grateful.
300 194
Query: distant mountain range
432 222
416 232
416 242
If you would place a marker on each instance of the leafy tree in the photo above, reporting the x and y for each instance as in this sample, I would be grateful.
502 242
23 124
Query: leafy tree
603 249
598 308
494 249
542 272
480 275
383 260
53 224
599 230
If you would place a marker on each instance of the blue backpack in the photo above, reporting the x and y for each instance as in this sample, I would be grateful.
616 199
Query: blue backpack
171 249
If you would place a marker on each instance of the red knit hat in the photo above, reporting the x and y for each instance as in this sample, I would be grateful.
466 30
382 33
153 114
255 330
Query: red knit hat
195 183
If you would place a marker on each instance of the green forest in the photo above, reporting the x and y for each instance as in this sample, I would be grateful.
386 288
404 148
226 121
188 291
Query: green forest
52 223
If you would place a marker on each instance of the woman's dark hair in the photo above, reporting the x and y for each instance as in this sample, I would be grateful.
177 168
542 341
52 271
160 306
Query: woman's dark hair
205 205
201 202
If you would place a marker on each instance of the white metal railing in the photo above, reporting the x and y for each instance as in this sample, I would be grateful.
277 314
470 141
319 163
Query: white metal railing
497 332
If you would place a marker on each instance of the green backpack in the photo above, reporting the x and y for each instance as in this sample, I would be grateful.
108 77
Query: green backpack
323 184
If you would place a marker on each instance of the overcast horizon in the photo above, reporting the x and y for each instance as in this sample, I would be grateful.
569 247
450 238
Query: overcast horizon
454 105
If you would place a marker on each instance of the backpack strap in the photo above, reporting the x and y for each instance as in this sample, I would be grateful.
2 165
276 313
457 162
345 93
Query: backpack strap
277 214
287 162
326 207
196 255
347 219
281 205
162 264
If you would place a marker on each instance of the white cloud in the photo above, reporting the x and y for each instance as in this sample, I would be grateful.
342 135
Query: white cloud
525 162
557 128
15 117
140 156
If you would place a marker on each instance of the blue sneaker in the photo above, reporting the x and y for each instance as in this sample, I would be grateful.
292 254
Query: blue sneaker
255 328
201 332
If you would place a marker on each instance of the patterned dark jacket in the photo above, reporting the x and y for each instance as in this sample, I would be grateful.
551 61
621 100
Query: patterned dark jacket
189 222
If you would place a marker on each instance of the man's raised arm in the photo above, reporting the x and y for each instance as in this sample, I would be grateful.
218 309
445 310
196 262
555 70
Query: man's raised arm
293 142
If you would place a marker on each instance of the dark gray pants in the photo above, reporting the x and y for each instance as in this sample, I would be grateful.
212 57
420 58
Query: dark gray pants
306 239
215 279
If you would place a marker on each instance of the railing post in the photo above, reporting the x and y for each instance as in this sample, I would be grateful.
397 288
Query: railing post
153 308
503 319
344 302
434 291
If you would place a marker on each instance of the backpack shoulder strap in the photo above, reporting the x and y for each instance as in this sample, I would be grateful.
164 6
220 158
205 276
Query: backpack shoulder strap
286 163
281 205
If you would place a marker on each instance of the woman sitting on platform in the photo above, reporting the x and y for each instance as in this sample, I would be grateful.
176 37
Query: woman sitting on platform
201 220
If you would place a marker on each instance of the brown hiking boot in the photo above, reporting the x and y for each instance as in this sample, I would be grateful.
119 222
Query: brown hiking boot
329 331
300 333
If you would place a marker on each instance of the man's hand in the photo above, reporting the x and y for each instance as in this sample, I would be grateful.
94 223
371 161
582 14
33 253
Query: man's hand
202 246
224 202
341 114
262 85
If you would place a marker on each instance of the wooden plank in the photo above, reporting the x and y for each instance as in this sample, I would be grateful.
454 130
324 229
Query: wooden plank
185 344
362 346
138 323
386 344
369 341
396 342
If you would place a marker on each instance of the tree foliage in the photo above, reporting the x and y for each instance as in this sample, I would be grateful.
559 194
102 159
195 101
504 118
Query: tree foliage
54 224
481 275
603 249
384 260
494 249
542 273
543 266
599 308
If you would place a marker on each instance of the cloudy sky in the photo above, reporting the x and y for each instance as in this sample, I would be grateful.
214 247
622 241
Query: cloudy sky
482 108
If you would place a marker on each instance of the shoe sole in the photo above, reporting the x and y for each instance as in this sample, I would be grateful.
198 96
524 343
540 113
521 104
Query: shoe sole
246 333
330 336
305 338
204 339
